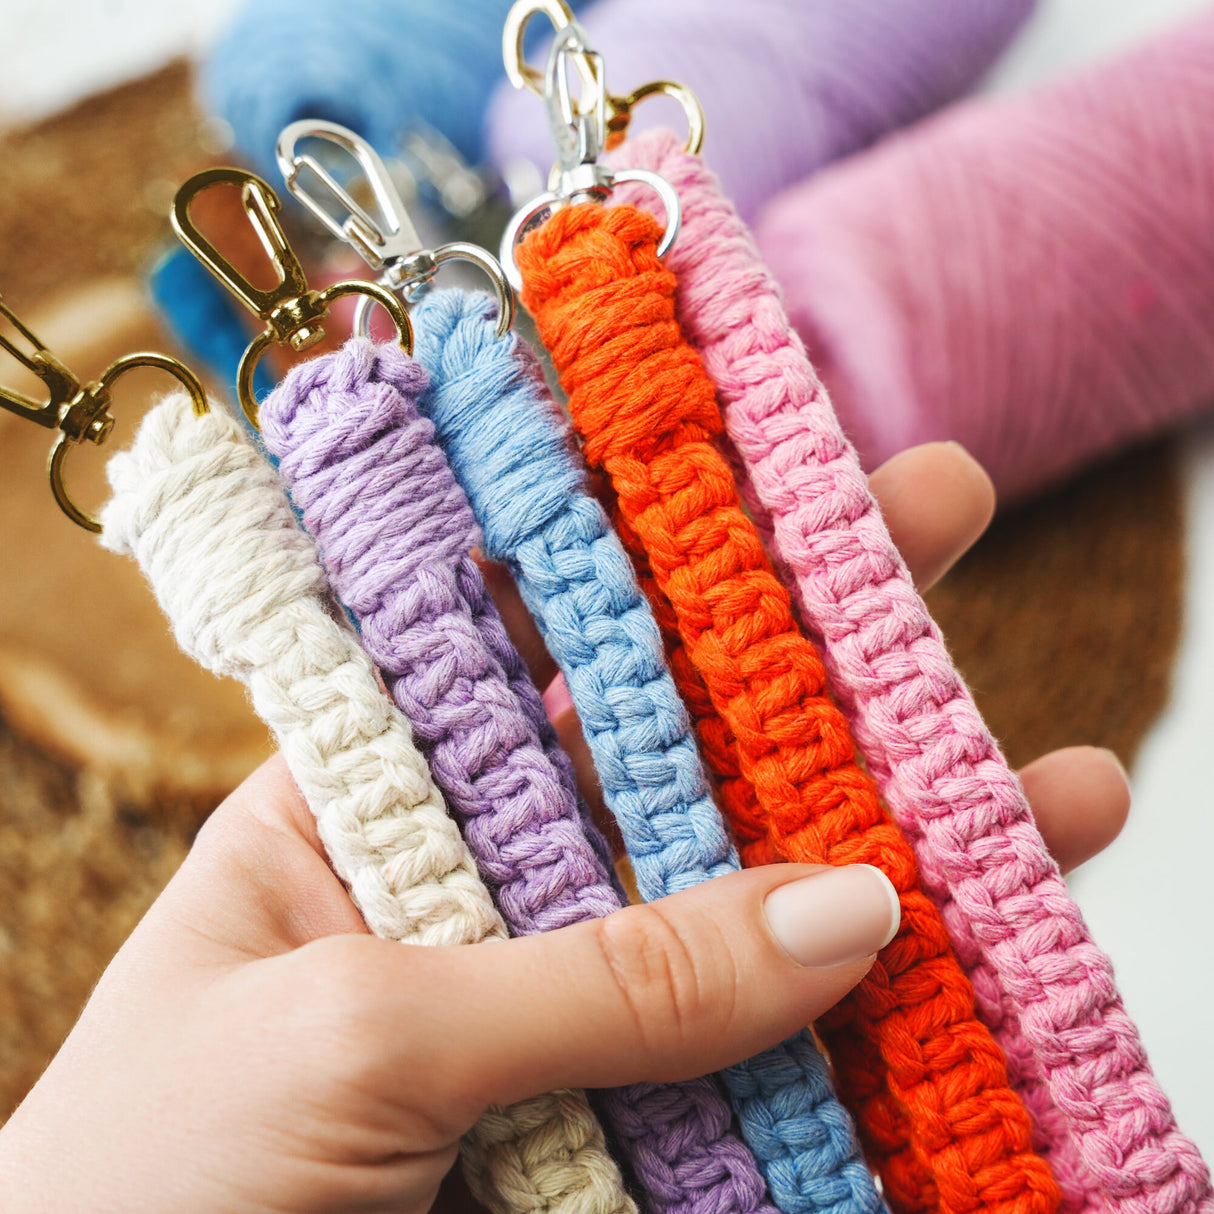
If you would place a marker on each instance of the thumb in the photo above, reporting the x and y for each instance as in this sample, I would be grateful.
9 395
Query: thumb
668 991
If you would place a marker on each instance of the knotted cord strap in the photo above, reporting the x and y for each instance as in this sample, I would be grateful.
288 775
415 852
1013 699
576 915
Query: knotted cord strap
646 410
513 452
492 630
213 532
396 532
1041 983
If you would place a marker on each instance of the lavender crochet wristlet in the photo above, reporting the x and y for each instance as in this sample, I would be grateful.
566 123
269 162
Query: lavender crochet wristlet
395 532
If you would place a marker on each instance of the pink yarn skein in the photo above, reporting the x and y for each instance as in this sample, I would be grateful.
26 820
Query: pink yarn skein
1044 988
1032 277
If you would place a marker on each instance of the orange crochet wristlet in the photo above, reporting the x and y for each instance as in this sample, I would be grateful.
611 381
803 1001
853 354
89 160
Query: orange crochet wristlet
927 1081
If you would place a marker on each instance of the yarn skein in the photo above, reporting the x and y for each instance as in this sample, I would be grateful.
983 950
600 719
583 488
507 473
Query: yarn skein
513 452
1042 290
1040 982
200 314
213 532
396 534
787 85
375 66
604 305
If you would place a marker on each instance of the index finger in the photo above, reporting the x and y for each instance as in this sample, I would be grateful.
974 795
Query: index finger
936 500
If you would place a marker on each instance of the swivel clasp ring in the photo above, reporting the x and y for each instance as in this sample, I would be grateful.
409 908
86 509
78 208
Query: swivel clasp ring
292 312
79 411
579 132
389 242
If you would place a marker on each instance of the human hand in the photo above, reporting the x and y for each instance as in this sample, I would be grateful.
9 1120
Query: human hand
252 1048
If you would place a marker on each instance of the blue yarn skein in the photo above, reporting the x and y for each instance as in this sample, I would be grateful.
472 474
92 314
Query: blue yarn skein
514 456
203 318
375 66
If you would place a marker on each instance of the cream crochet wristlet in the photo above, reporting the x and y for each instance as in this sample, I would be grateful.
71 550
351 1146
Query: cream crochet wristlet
212 530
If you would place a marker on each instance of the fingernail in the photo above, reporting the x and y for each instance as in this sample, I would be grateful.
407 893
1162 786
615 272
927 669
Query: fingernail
834 916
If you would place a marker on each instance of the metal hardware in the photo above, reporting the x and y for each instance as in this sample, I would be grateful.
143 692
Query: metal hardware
80 412
437 169
618 108
619 112
518 71
580 133
292 312
389 242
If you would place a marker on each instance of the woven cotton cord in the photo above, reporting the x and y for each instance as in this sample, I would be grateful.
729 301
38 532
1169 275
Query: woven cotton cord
513 453
212 530
1041 983
396 533
646 410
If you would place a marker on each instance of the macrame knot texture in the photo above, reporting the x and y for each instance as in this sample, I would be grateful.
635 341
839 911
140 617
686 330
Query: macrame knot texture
211 527
213 532
1041 983
927 1080
396 533
514 453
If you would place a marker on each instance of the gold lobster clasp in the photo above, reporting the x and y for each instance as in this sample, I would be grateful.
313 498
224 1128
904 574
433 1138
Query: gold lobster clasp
293 313
618 109
79 411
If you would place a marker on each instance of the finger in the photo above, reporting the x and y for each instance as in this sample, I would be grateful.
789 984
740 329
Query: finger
568 726
937 501
674 989
270 796
257 879
519 622
1080 799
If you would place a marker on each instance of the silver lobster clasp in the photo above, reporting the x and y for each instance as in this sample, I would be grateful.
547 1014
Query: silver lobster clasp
388 242
580 132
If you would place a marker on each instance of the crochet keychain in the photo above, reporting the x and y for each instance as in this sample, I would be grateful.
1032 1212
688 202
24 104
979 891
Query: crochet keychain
503 434
213 531
396 534
928 1082
1041 983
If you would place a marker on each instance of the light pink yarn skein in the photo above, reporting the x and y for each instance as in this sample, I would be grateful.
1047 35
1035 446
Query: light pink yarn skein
1033 277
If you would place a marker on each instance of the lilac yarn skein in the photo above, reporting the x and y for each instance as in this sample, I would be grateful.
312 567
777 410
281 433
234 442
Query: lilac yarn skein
787 85
395 533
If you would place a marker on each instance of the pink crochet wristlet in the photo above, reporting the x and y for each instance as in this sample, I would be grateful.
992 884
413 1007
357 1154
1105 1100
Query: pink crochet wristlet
1042 985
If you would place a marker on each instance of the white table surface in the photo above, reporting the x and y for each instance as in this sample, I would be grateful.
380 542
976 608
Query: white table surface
1149 898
